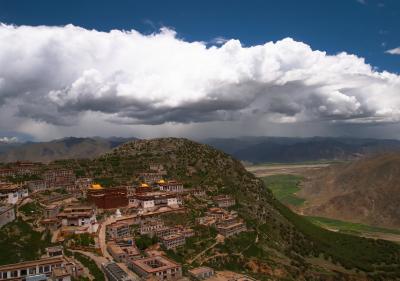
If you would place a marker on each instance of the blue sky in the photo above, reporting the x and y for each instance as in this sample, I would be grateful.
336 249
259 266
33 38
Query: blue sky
199 68
365 28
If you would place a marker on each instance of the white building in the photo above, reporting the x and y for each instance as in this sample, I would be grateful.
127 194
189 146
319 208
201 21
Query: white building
170 186
79 216
173 241
151 227
11 193
37 185
7 214
46 267
150 200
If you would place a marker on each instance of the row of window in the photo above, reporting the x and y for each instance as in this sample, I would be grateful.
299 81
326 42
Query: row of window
27 271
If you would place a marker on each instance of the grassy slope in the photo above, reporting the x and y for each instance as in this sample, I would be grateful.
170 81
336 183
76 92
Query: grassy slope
87 262
19 242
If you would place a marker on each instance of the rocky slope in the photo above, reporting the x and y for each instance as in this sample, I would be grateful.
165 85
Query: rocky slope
283 245
366 190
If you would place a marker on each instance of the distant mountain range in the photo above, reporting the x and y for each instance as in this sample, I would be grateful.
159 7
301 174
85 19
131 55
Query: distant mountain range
289 150
67 148
250 149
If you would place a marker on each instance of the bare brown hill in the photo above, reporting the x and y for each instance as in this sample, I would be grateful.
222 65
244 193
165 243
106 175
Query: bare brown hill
366 191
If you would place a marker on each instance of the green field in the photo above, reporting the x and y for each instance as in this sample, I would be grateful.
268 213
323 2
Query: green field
350 227
284 188
31 208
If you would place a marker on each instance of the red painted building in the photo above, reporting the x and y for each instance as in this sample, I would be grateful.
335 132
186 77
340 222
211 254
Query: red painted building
107 198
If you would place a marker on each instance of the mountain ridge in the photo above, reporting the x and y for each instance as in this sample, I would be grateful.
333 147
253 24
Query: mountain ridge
65 148
289 150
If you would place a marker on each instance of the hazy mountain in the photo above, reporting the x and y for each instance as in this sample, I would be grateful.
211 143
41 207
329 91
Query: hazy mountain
286 150
66 148
8 146
366 190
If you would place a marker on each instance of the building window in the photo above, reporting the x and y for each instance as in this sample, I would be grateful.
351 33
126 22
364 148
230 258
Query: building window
46 268
32 270
14 273
24 272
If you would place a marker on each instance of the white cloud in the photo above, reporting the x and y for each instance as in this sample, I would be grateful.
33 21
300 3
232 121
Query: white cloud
219 40
58 75
395 51
8 139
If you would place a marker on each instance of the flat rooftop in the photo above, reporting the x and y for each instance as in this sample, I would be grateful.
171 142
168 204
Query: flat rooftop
223 197
155 264
6 188
172 237
154 195
231 226
115 249
115 270
76 214
25 264
118 224
200 270
72 208
60 272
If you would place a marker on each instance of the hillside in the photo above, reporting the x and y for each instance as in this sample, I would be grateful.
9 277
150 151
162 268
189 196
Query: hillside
280 245
366 191
289 150
67 148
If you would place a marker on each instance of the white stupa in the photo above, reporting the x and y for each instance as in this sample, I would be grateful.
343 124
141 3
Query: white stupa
118 213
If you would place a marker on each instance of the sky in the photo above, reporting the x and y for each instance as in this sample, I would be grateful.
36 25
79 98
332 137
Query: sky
199 68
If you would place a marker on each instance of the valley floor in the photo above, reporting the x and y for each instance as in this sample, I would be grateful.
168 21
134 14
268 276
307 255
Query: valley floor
263 170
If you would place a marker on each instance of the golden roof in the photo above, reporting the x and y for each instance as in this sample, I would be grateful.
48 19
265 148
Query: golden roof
161 181
144 185
96 186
